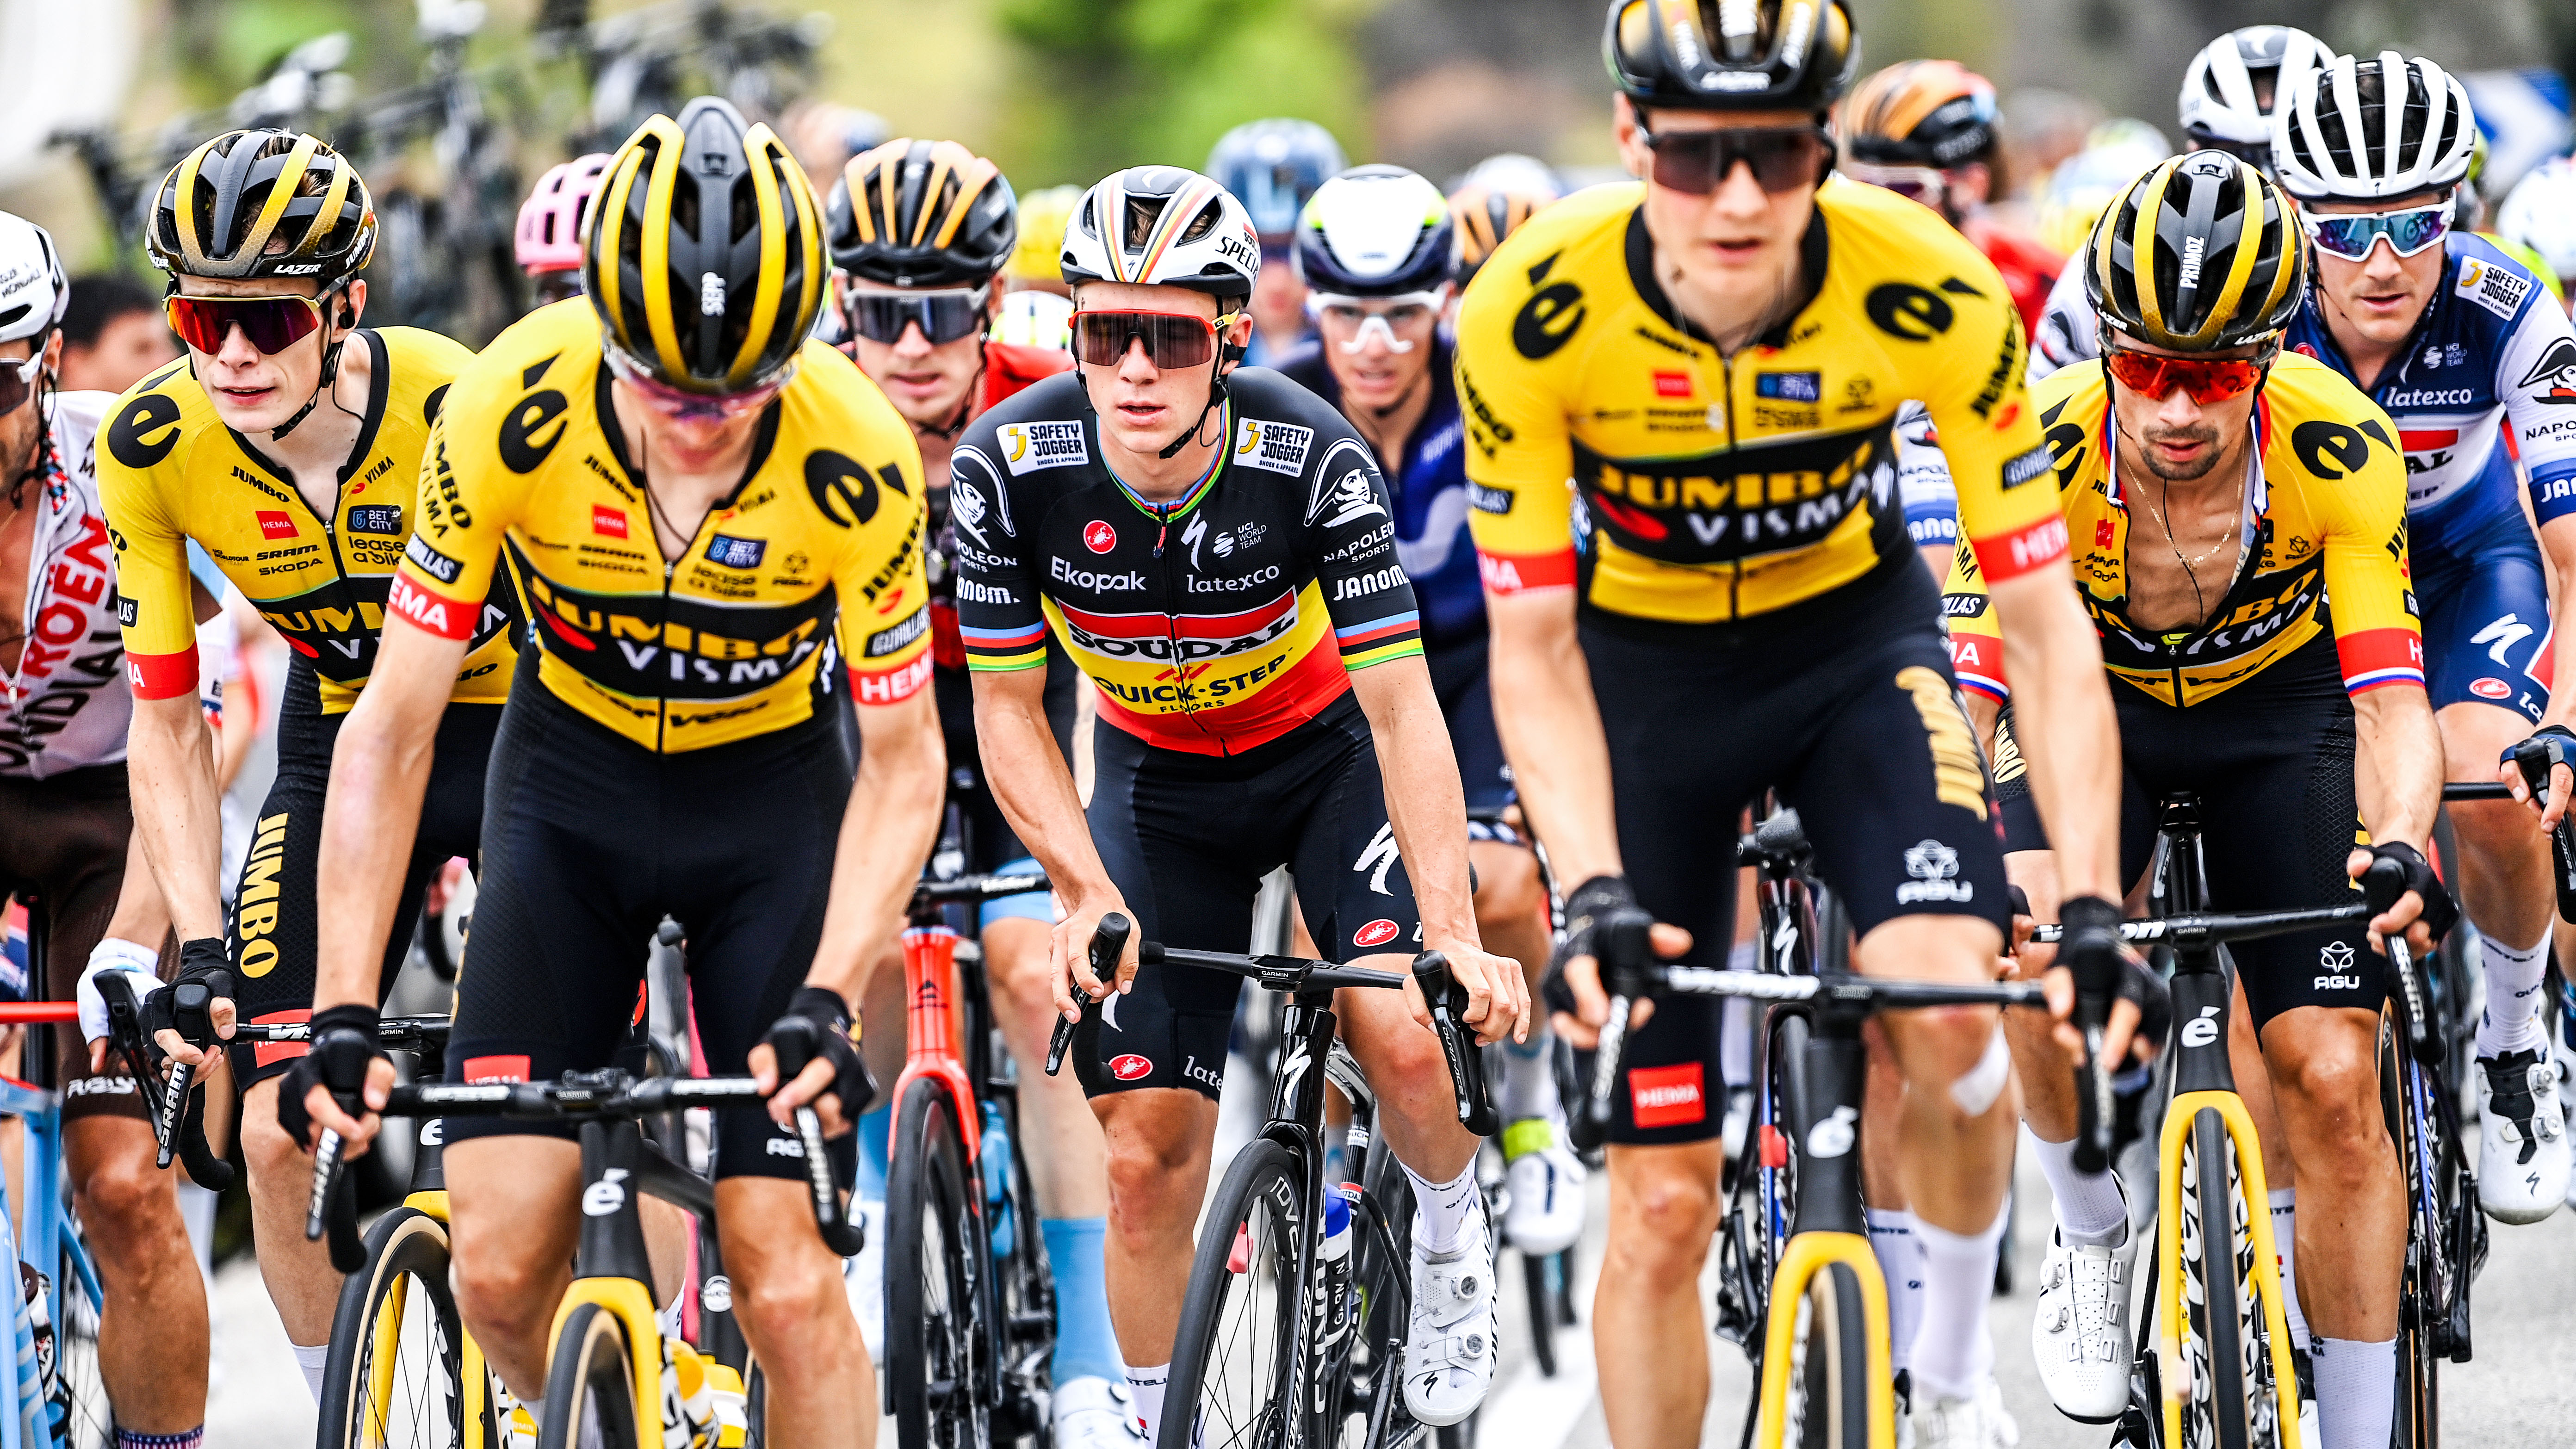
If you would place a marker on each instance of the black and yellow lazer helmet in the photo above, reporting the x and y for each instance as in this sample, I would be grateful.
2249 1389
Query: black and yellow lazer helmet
263 203
2200 254
704 257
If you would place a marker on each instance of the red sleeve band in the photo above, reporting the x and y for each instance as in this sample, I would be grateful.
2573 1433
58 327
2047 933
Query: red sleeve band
162 676
892 686
2010 555
2372 658
418 606
1517 573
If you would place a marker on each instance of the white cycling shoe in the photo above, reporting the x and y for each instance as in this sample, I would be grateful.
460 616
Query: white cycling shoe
1979 1421
1449 1348
2080 1335
1092 1413
1545 1179
2522 1137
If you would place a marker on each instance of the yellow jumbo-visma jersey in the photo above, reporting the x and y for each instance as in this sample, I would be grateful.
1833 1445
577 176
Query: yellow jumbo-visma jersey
1611 448
170 471
822 538
2326 514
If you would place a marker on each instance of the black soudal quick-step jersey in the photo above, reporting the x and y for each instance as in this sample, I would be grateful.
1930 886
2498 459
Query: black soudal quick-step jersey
169 471
1211 624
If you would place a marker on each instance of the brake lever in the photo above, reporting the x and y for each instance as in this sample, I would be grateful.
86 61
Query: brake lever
1625 953
1108 944
2535 767
842 1236
2381 885
1448 1001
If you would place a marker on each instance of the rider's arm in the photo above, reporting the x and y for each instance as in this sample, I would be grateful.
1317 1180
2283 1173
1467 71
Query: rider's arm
2063 697
1551 729
2538 401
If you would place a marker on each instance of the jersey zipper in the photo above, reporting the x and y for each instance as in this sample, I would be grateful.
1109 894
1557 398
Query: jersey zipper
1726 399
1172 624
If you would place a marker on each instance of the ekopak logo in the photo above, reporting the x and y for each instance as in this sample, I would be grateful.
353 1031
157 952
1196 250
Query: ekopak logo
1099 537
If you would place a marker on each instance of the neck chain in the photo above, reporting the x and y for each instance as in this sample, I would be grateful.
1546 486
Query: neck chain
2190 566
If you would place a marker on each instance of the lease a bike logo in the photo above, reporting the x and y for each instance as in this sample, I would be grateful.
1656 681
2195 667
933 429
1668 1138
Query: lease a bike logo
1130 1067
1935 868
1099 537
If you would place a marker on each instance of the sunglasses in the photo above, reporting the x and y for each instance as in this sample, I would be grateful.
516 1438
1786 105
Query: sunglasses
270 324
2206 381
2351 236
683 406
1914 183
1783 158
1171 339
1350 320
944 316
18 379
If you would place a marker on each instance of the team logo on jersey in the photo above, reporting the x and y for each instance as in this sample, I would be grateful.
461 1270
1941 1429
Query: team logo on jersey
431 562
2490 689
726 551
378 518
1672 384
1804 387
1274 447
274 524
1130 1067
1098 536
1027 447
2492 287
2554 374
1375 933
607 522
966 507
1935 868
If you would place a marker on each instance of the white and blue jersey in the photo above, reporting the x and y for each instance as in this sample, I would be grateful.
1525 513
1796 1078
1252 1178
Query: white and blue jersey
2492 358
1428 488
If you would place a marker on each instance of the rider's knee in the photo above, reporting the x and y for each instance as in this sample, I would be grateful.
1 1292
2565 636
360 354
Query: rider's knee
1144 1170
791 1295
503 1294
1667 1212
1948 1046
1507 888
2334 1099
1016 965
125 1196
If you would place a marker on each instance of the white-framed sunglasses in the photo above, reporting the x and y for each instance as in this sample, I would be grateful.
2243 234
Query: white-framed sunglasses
1349 321
19 378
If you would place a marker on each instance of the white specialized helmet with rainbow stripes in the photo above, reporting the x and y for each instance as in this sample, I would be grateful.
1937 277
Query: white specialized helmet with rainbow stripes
1162 226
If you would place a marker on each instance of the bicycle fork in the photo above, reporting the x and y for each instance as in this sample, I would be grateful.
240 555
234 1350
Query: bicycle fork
930 1042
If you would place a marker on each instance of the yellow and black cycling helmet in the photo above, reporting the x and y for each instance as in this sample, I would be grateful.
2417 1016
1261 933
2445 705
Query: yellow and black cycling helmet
1731 55
2200 254
263 203
922 214
705 253
1484 217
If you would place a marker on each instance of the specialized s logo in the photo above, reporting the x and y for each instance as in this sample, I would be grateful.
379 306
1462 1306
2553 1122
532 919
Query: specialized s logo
843 490
145 430
1551 317
2554 375
520 443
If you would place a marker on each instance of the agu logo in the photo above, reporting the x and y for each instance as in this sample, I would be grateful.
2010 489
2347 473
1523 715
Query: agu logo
1130 1067
1667 1096
2334 961
1099 537
1375 933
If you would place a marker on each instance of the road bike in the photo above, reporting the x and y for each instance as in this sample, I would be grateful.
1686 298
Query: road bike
970 1301
1299 1296
53 1395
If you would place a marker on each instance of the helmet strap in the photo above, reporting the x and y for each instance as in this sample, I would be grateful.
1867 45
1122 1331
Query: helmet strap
1216 400
322 385
40 457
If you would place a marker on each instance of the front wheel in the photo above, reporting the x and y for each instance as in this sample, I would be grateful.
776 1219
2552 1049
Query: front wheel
1234 1365
1829 1363
2234 1402
590 1387
937 1334
395 1376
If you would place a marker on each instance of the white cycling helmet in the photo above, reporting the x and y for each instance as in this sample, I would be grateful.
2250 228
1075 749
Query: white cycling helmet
2364 130
33 290
1162 225
2223 99
2540 213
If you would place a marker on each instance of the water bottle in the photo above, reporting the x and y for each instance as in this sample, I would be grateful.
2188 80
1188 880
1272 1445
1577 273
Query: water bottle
1333 1262
996 1157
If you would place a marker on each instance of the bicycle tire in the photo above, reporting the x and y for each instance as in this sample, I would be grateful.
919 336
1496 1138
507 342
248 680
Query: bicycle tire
2223 1327
1024 1290
2419 1305
74 1383
1542 1312
590 1394
938 1328
1829 1363
1209 1403
399 1299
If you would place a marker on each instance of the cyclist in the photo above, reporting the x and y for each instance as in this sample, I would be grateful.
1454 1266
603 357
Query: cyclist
1930 130
1375 249
1482 216
1271 167
1679 398
284 445
2458 342
2222 490
1213 547
549 232
918 232
2540 213
2229 93
718 524
65 836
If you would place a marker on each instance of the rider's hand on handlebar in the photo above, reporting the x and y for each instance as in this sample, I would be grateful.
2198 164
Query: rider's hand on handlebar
1070 952
343 1057
203 962
2551 748
2424 913
834 1080
112 955
1498 997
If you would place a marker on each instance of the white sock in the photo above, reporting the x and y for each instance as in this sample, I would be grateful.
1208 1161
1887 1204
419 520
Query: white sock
311 1361
1900 1262
2090 1211
1145 1386
2285 1247
2511 1022
1440 1209
2356 1392
1529 1076
1953 1353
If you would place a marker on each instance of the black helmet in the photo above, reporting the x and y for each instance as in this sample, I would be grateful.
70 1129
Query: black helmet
922 214
740 241
2200 254
1767 54
215 213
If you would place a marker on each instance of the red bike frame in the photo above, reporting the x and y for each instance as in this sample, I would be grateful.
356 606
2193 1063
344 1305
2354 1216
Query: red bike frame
930 1042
